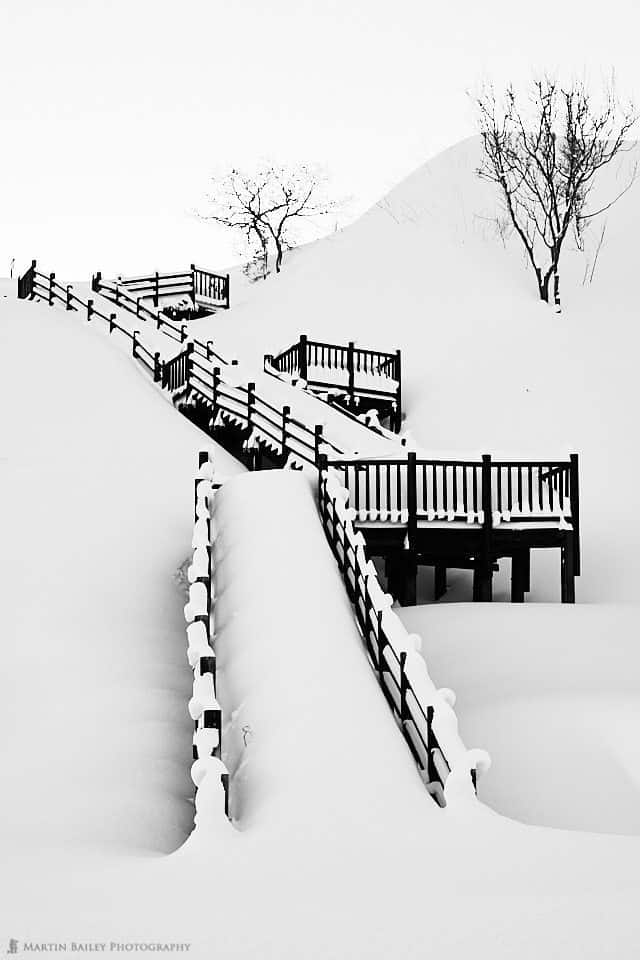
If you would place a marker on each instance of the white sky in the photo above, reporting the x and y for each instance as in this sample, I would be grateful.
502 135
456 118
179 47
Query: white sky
115 112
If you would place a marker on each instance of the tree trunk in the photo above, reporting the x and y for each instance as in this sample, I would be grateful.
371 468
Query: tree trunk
556 289
543 285
278 255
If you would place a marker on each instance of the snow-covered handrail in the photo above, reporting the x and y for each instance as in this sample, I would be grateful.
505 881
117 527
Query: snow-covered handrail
425 714
204 709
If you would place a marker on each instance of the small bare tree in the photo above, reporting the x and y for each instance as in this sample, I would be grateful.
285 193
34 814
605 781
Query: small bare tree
544 157
268 206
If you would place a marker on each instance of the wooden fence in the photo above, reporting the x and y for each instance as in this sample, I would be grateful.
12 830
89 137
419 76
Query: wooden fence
349 361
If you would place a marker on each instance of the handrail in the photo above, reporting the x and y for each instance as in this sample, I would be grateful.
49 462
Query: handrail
424 714
113 292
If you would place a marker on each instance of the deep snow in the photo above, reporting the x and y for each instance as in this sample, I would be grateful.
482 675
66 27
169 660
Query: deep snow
382 872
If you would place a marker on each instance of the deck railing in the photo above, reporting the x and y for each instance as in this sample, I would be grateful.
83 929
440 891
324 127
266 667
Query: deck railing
426 719
195 282
306 357
484 492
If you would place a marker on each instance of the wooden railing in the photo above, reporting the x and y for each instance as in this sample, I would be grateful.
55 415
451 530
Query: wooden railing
350 361
122 298
424 716
195 282
485 492
264 424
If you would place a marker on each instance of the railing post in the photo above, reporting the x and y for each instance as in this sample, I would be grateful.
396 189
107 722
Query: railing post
157 367
380 663
209 349
574 500
412 499
398 378
285 417
317 436
183 333
188 363
137 306
251 399
89 310
404 686
134 343
156 295
351 371
117 295
69 296
52 277
322 463
227 291
216 381
112 322
193 284
484 572
96 280
432 773
302 356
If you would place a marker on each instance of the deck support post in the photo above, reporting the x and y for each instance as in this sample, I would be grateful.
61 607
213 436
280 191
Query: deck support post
567 570
408 571
520 575
439 581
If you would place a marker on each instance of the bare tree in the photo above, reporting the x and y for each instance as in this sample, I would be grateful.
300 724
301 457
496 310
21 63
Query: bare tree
269 205
544 156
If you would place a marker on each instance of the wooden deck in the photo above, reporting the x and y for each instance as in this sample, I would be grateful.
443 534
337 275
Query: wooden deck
466 515
358 380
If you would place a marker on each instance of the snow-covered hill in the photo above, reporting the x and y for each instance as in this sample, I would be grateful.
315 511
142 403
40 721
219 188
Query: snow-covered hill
488 368
98 505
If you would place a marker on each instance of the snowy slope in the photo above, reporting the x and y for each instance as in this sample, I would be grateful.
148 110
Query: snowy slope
487 368
379 872
95 465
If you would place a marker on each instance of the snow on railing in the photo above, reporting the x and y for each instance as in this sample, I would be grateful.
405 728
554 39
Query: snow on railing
208 772
425 714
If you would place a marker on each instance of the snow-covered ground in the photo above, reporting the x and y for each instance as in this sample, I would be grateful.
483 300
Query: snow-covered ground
98 503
